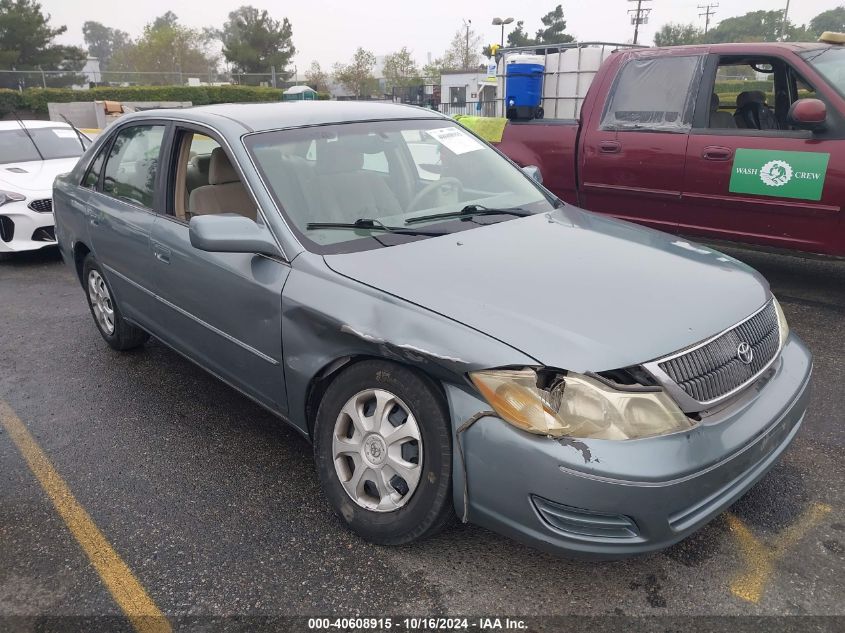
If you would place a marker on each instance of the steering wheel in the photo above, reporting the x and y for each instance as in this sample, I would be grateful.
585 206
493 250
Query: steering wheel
447 183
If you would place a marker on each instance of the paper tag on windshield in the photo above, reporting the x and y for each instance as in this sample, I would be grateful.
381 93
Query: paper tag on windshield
62 133
455 140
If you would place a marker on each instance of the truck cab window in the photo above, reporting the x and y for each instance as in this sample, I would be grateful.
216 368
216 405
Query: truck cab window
654 93
756 93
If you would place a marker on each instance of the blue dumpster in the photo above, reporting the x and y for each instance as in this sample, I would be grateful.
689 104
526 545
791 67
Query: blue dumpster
524 86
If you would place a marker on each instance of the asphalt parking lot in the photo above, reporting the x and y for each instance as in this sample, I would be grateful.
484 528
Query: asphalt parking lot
215 508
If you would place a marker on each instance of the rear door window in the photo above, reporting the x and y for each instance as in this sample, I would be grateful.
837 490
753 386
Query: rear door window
93 176
654 94
133 164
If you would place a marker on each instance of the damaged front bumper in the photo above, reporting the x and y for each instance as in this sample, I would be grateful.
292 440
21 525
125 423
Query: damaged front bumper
604 498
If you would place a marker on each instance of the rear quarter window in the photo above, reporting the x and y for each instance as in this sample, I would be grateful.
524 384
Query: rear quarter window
654 94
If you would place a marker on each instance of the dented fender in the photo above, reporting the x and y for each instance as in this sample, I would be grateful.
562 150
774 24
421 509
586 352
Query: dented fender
328 318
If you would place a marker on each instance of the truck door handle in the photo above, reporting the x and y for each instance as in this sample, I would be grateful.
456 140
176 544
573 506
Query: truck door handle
161 252
610 147
715 152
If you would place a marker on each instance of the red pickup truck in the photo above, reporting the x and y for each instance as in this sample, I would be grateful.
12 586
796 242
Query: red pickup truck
665 138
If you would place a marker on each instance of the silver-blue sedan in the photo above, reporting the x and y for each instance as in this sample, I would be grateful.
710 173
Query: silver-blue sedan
452 338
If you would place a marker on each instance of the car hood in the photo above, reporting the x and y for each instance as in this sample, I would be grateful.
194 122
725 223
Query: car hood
572 289
35 175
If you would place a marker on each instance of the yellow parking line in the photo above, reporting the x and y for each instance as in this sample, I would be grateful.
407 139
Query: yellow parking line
760 558
115 574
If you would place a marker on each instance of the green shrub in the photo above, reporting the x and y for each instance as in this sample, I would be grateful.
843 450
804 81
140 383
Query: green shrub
10 100
36 99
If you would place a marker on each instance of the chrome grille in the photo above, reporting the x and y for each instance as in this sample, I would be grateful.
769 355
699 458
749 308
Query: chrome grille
714 370
45 205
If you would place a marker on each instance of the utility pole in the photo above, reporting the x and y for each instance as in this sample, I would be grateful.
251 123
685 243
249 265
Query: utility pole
783 24
707 12
638 16
465 60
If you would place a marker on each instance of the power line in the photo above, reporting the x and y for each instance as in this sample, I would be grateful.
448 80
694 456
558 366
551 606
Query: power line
707 12
638 16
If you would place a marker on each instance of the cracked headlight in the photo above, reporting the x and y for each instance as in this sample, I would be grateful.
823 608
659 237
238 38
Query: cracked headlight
10 196
575 405
783 326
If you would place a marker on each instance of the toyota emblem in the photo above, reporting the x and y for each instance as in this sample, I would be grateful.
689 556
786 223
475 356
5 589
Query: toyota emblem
745 353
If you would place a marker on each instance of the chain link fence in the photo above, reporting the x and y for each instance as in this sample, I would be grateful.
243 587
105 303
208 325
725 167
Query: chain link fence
22 79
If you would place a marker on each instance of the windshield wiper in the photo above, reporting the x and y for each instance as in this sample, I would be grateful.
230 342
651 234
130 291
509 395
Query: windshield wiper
471 210
371 225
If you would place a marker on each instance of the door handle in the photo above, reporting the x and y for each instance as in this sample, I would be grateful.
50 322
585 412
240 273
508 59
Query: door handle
161 252
93 215
715 152
610 147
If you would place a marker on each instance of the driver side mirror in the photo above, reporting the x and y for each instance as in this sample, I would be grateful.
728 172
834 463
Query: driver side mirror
532 171
808 114
230 233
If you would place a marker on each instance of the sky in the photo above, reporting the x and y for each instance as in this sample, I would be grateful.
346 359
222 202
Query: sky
330 30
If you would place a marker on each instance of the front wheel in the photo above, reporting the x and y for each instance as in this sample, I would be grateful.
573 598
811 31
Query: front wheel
115 330
382 444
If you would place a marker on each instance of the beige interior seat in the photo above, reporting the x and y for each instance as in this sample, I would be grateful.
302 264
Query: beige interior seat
224 193
347 191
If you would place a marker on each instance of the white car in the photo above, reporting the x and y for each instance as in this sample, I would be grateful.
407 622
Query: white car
32 154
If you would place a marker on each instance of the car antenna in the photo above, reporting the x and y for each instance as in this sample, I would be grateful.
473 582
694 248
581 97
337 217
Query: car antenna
79 133
28 133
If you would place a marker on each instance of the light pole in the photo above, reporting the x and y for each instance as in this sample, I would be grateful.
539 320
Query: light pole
501 22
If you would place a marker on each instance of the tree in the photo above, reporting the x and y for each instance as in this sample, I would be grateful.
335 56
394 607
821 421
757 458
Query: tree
432 70
677 34
555 27
357 76
400 70
518 37
104 42
167 47
26 43
756 26
462 53
831 20
253 42
316 78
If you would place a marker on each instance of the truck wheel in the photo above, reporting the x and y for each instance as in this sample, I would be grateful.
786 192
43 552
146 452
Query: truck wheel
539 113
114 329
382 444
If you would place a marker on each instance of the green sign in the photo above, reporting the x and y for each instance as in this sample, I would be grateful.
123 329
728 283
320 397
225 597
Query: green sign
766 172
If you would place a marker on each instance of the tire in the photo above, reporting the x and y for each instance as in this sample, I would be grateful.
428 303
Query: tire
116 331
393 518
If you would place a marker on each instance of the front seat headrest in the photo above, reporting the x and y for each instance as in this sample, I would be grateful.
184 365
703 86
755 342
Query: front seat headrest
220 170
750 96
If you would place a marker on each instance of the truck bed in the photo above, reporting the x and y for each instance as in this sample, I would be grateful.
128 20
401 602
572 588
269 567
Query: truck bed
550 144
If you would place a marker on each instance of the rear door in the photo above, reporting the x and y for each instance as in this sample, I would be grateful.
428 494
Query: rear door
121 211
634 148
769 186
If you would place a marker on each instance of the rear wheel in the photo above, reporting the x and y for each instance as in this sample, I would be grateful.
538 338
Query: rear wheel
115 330
383 451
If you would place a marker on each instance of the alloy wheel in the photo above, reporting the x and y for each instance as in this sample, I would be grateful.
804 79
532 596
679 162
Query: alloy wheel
101 302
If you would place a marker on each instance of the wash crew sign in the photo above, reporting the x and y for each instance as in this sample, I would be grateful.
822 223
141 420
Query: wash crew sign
773 173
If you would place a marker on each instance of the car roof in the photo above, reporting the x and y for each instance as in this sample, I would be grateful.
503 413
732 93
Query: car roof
32 124
745 48
257 117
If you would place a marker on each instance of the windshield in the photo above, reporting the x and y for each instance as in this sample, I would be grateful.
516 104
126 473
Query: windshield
830 64
388 172
52 142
